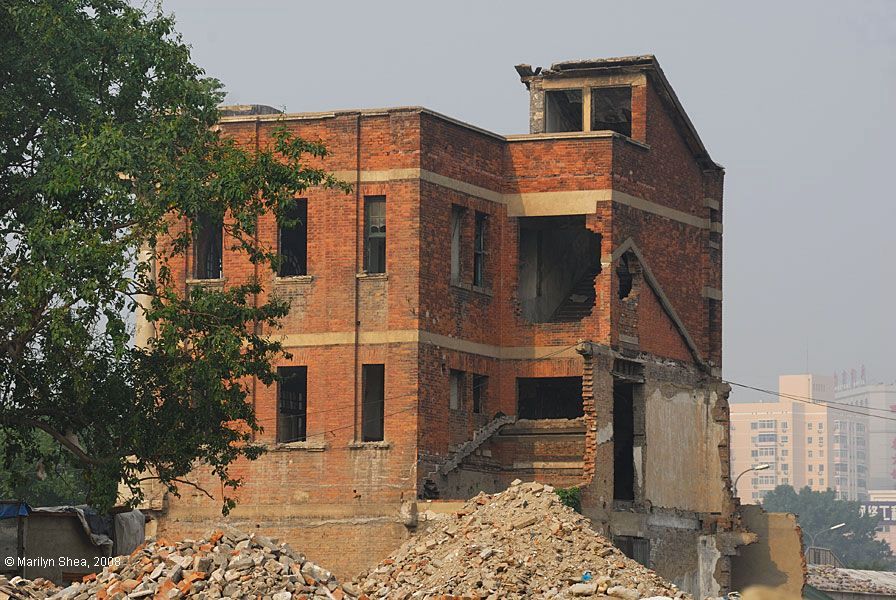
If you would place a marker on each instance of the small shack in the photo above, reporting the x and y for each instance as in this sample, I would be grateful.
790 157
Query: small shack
64 543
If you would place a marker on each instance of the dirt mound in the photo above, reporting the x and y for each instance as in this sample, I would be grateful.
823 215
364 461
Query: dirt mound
520 543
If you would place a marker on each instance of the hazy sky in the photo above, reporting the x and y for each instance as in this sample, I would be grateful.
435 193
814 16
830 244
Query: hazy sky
795 99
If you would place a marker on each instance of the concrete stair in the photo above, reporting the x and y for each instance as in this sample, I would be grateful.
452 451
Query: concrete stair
579 302
479 437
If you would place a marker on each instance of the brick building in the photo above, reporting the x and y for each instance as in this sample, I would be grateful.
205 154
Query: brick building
485 307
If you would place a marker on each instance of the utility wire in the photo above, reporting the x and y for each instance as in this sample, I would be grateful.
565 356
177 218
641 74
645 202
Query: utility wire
815 402
808 398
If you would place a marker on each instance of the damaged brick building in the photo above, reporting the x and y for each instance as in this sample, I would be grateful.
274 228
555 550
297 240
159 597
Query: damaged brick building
483 308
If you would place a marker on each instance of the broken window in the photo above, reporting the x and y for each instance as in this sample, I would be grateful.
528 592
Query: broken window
480 388
563 111
559 259
375 234
293 241
292 406
373 398
479 252
457 226
456 394
611 109
549 397
208 247
623 441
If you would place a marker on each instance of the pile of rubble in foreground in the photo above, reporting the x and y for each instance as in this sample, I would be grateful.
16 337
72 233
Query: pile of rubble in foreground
18 588
232 565
520 543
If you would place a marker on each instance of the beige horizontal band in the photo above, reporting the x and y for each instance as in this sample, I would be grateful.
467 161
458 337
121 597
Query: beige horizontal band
531 204
416 336
712 293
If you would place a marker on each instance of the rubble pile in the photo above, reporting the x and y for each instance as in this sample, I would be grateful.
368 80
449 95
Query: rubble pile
23 589
520 543
833 579
231 565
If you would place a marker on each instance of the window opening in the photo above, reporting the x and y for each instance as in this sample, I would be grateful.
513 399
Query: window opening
563 111
480 388
375 234
293 240
373 384
208 247
479 252
611 109
292 411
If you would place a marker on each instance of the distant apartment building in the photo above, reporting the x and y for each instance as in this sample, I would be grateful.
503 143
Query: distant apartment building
876 399
805 437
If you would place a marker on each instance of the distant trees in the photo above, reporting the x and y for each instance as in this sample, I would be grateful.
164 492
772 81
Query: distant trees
854 544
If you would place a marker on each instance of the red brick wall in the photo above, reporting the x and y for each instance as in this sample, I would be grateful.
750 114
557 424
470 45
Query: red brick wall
417 295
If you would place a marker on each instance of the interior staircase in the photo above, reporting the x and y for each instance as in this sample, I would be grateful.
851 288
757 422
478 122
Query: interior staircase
579 302
467 448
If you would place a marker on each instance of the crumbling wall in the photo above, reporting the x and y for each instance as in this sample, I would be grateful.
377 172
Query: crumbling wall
776 559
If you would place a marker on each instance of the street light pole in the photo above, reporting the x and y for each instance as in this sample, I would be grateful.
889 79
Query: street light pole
832 528
761 467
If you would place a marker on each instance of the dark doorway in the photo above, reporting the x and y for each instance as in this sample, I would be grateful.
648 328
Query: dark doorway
623 441
549 397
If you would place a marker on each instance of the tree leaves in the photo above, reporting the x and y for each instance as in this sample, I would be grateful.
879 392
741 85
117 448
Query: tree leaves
108 146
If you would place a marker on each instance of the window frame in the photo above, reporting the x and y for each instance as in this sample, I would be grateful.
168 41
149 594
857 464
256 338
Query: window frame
375 252
299 213
302 428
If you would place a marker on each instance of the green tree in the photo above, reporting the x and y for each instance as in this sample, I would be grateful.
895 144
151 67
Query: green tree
43 482
854 544
107 137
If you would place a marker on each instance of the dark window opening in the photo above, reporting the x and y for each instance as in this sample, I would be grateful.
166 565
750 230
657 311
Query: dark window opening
611 109
294 241
636 548
456 393
457 226
623 441
563 111
292 404
373 397
375 234
559 259
624 275
549 398
208 247
480 389
479 252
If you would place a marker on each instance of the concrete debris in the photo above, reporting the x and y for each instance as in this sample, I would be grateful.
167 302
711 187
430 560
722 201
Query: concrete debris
231 565
833 579
520 543
23 589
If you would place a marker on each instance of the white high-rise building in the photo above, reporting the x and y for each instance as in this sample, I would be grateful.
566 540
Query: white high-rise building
877 399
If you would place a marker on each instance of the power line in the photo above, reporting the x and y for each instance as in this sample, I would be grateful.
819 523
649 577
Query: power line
807 398
814 402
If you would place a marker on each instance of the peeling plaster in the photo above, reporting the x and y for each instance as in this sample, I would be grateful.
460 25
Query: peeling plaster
605 433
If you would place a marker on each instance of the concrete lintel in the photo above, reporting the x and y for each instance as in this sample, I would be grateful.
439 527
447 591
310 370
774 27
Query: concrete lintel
711 203
712 293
